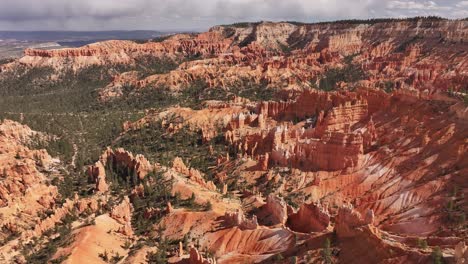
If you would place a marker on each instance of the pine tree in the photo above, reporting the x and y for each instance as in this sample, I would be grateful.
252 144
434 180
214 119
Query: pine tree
326 252
208 206
192 200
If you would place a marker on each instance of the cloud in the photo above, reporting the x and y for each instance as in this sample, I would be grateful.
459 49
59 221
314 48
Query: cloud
65 9
412 5
462 4
200 14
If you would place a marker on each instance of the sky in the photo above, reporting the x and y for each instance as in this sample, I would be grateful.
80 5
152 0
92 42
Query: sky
172 15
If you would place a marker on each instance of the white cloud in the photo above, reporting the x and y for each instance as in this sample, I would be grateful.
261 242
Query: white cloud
462 4
427 5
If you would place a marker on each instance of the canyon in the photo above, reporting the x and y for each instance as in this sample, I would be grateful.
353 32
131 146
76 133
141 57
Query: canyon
266 142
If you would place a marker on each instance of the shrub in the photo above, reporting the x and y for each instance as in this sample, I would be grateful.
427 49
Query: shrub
208 206
422 243
127 244
116 258
436 256
104 256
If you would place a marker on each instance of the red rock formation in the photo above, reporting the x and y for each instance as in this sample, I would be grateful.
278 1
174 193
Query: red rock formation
274 212
461 253
329 144
385 62
127 52
136 165
81 205
197 258
404 54
98 174
348 43
388 154
169 208
115 88
309 218
234 245
122 213
193 174
349 219
396 157
119 157
51 221
24 189
238 219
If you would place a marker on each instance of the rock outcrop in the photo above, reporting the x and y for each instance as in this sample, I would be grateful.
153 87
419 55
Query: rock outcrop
192 174
309 218
348 219
122 213
24 188
197 258
461 253
118 160
274 212
401 54
325 141
238 218
76 205
127 52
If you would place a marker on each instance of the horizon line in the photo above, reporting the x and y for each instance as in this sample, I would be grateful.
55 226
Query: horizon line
376 19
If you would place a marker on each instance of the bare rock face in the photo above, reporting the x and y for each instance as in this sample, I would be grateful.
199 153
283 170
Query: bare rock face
400 54
400 58
274 212
98 174
225 189
197 258
24 189
136 166
309 218
169 208
122 213
394 156
236 245
115 88
51 221
330 144
192 174
238 218
80 205
125 52
179 166
126 229
461 253
349 219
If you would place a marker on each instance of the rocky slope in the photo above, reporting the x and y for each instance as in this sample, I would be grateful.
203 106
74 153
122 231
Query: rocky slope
423 54
399 159
23 189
